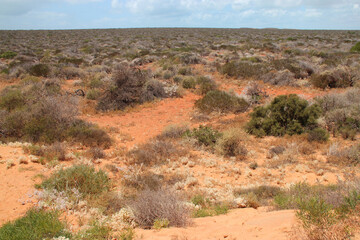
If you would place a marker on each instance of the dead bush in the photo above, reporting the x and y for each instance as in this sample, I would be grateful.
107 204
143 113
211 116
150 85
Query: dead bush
56 151
230 144
96 153
154 152
161 204
340 77
129 86
280 78
173 131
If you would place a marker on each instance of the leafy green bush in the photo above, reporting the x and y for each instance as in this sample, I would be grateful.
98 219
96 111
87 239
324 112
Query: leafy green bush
35 225
8 55
40 70
287 114
356 47
204 135
220 101
84 178
318 135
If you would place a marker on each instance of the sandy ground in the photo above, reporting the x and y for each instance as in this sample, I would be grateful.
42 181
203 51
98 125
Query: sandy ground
238 224
16 184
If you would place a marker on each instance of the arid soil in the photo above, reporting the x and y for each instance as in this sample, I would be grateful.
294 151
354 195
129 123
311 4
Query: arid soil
137 125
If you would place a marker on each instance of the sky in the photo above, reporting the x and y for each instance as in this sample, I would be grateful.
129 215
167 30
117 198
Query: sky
85 14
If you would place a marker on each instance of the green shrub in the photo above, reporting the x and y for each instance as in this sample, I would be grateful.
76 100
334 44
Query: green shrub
316 212
204 135
189 83
95 232
207 208
287 114
11 99
161 223
206 84
35 225
356 47
220 101
88 134
93 94
318 135
8 55
84 178
40 70
184 71
242 69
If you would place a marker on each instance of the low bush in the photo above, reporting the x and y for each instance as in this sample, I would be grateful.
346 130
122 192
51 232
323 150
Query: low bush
242 69
35 225
206 84
254 93
189 83
341 112
8 55
356 47
96 153
220 101
149 206
154 152
129 86
12 99
37 112
318 135
264 194
231 144
207 208
204 135
40 70
280 78
93 94
85 179
287 114
173 132
94 232
340 77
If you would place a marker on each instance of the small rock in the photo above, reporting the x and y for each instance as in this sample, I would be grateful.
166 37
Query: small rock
240 202
191 164
22 160
320 172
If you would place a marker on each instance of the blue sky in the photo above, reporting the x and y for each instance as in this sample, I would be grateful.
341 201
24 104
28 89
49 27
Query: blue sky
75 14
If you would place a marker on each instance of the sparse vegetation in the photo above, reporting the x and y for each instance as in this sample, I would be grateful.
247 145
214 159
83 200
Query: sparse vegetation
85 179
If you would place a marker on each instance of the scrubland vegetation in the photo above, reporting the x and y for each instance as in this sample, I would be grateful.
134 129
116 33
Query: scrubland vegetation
274 121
